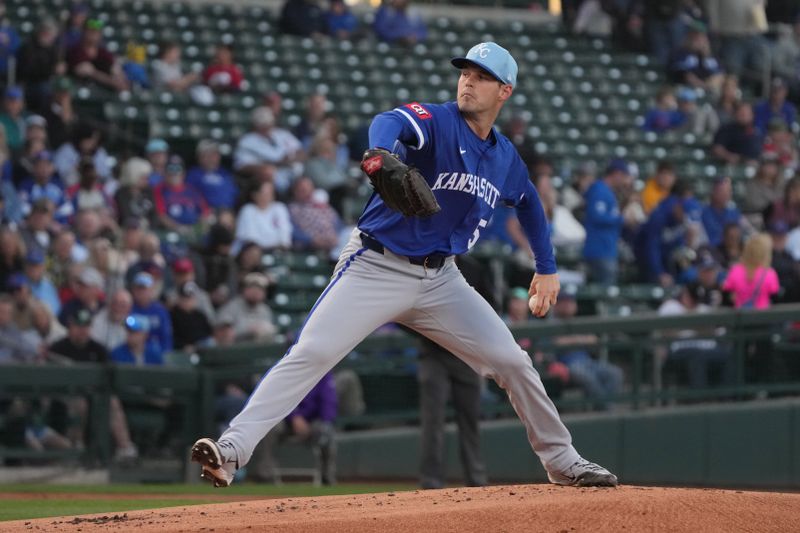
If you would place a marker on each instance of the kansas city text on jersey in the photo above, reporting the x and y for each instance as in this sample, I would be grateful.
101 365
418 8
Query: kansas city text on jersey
467 183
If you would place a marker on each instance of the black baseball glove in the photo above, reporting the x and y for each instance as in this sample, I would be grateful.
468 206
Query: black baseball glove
402 187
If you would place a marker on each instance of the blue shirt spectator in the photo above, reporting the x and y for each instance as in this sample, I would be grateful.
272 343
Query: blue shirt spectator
145 304
177 203
663 233
341 22
138 349
45 183
603 223
738 141
396 23
659 120
720 211
10 209
775 108
9 44
302 17
212 181
41 286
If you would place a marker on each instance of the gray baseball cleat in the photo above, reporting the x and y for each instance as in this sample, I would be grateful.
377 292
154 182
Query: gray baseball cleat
218 460
584 474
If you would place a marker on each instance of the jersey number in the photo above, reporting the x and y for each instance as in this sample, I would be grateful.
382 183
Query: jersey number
477 234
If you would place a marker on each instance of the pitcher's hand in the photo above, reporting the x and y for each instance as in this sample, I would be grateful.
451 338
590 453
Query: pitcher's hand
543 292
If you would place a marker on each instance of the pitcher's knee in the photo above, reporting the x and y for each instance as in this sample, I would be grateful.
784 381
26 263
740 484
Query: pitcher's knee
513 365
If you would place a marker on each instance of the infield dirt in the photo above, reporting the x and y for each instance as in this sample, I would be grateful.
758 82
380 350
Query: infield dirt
512 508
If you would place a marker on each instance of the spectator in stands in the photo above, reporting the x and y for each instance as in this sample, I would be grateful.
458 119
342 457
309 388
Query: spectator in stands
340 21
785 265
133 67
732 243
21 292
157 153
565 230
739 26
599 380
274 101
90 60
39 282
45 329
86 143
78 346
664 27
764 188
59 111
720 211
786 55
603 223
15 346
146 304
108 325
673 227
12 118
9 43
316 109
190 324
134 197
326 173
38 62
752 280
781 142
71 36
88 194
315 224
775 107
739 141
700 355
12 254
38 228
222 75
183 272
108 261
249 312
179 206
658 186
268 145
593 20
263 220
167 72
45 183
10 205
573 194
395 22
219 265
699 119
137 350
304 18
517 132
664 116
88 294
708 276
214 182
729 97
694 65
150 260
786 209
311 422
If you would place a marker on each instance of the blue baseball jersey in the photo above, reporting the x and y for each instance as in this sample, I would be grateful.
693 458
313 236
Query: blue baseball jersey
469 176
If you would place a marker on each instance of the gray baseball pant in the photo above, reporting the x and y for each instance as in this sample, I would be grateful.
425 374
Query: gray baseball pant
369 289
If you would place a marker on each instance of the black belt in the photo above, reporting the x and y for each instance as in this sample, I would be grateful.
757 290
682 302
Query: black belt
427 261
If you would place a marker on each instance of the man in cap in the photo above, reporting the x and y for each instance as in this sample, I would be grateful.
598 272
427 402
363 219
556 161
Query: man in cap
603 222
90 60
12 117
213 181
89 294
720 211
41 286
137 350
775 107
190 325
251 316
157 152
45 183
183 272
180 207
146 304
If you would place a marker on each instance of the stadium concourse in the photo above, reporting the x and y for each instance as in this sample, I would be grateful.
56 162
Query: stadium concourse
178 179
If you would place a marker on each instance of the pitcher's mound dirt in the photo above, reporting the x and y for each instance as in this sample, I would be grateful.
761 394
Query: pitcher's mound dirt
518 508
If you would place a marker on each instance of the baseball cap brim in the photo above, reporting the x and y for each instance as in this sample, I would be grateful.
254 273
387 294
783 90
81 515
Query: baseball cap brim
461 62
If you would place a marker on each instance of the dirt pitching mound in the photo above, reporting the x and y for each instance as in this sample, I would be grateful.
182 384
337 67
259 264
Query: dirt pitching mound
518 508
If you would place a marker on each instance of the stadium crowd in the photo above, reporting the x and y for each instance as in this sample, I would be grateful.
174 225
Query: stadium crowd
127 258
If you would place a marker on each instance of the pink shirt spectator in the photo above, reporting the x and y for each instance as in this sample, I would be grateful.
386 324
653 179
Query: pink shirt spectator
743 288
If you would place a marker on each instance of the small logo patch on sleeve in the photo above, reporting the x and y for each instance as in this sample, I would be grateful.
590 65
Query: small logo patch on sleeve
419 110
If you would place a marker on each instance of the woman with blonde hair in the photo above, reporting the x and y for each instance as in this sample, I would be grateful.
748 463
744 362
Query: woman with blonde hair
752 280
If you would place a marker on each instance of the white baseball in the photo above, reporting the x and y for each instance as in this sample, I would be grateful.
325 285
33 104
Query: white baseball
532 302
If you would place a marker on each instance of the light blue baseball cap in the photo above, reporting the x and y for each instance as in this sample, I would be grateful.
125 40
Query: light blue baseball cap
492 58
